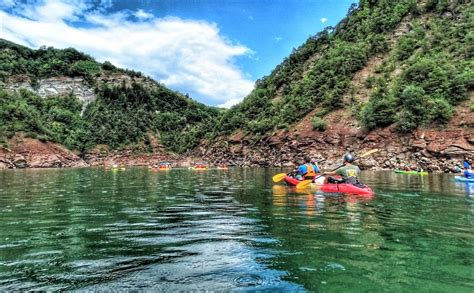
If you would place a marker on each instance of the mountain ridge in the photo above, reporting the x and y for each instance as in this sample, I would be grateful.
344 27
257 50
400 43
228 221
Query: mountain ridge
396 75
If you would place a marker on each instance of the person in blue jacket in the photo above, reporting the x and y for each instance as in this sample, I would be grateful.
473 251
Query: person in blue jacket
466 164
468 172
308 170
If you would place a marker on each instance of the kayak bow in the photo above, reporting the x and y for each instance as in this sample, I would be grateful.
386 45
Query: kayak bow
463 179
410 172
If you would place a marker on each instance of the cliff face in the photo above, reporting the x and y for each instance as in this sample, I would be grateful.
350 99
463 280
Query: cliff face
32 153
64 85
434 149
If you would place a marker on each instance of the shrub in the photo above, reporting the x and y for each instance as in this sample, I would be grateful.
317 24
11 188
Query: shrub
318 123
108 66
440 111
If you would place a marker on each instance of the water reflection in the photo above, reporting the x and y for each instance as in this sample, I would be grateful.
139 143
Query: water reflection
91 229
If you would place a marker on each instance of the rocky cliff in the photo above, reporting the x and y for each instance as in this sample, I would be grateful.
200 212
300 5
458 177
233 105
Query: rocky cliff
82 88
433 149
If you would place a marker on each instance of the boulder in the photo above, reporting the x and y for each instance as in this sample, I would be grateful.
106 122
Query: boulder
19 161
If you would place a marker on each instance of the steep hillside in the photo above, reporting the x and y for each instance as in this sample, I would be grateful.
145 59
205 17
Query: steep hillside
66 97
393 74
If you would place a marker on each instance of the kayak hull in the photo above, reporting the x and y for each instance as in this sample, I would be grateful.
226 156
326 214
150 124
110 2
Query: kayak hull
410 172
334 188
347 189
290 181
463 179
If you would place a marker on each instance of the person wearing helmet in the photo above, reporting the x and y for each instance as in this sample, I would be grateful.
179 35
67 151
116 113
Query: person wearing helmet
468 171
308 170
466 163
349 173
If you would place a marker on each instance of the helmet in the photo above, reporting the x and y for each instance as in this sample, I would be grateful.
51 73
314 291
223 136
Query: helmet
307 159
348 158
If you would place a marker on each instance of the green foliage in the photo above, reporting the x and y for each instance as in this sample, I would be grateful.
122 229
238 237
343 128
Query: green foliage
108 66
318 123
415 109
318 73
126 115
55 119
47 62
435 73
379 111
120 116
84 68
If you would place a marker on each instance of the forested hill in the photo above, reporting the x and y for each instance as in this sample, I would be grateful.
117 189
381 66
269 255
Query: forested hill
78 102
393 75
399 65
405 63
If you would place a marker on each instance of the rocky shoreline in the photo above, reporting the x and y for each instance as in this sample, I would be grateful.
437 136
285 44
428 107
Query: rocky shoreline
433 149
32 153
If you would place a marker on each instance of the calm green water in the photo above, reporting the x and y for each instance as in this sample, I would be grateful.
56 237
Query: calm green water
90 229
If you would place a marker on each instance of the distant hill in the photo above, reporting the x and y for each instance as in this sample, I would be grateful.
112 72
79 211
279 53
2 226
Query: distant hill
72 99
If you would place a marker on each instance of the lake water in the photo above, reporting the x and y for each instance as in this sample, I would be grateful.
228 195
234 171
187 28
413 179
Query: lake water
91 229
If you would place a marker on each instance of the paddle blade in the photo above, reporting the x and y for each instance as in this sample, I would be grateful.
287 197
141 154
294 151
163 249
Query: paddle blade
304 184
278 177
369 153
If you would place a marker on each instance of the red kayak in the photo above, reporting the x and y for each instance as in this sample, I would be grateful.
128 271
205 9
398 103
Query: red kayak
347 189
335 188
290 181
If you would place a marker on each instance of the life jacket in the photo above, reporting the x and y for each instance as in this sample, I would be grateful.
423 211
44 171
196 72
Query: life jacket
310 173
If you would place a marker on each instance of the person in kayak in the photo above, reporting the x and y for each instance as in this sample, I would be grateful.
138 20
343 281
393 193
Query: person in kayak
307 170
349 173
457 169
466 163
468 171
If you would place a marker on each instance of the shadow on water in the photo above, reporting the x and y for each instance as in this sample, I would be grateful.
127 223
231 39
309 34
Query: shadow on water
92 229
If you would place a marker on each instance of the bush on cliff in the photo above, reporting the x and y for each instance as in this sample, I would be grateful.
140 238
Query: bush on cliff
318 123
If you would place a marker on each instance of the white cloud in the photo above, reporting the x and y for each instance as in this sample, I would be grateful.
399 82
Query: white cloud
142 14
230 103
187 55
324 19
278 39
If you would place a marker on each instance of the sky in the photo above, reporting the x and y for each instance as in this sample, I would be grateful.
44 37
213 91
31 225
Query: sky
213 50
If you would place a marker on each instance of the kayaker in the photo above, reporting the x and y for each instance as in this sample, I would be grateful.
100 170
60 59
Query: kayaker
466 164
457 169
349 172
307 170
468 171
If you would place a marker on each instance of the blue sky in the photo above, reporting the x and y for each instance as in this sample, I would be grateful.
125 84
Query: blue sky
212 50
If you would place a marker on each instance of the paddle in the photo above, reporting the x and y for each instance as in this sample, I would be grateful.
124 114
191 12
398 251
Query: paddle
278 177
306 183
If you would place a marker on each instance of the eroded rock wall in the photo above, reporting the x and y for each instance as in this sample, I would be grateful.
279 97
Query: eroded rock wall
434 149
